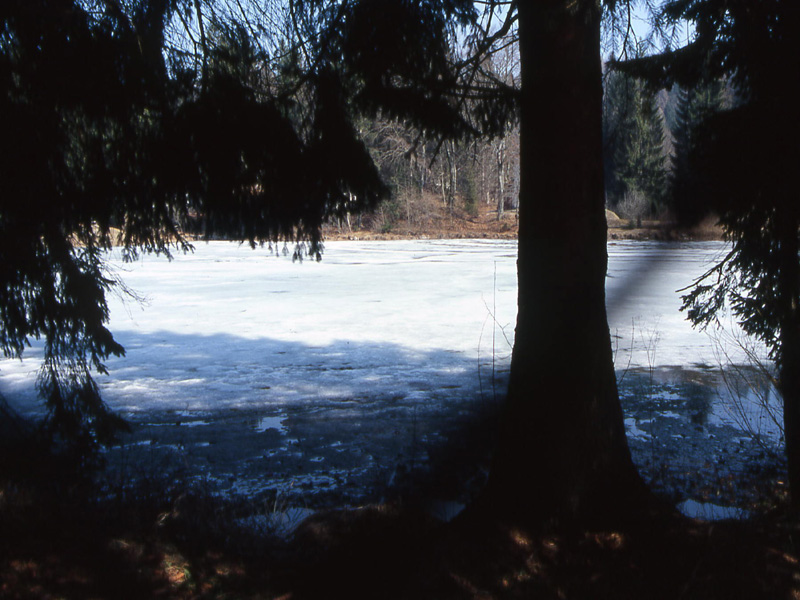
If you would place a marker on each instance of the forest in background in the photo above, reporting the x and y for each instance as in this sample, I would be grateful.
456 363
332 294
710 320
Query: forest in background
471 188
457 185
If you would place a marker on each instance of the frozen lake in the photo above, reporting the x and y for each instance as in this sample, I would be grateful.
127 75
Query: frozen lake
261 374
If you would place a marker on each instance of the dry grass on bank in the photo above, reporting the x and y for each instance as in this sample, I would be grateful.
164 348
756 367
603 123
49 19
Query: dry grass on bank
440 223
432 221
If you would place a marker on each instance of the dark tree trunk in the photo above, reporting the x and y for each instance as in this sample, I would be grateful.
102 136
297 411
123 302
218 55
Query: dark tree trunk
563 451
789 361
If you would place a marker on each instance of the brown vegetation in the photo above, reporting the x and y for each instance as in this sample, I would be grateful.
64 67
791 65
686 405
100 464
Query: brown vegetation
429 219
54 548
438 222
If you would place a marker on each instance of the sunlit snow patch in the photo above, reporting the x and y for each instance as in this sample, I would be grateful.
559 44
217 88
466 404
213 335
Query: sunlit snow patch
266 423
632 427
710 512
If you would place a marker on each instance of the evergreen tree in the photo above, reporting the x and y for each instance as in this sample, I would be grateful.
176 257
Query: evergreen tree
562 452
646 166
744 162
110 137
634 146
694 106
618 116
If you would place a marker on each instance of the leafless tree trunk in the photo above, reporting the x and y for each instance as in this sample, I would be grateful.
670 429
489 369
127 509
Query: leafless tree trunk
500 155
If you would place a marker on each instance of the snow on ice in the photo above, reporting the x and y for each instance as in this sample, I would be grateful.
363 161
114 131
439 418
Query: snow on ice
392 333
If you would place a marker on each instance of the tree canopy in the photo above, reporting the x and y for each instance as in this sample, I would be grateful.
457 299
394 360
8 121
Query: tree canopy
111 136
743 168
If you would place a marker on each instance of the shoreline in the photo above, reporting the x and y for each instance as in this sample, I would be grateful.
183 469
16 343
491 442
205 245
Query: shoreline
487 226
660 233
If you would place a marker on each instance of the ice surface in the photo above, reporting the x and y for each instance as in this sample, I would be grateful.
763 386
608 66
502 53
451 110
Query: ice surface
644 301
233 347
227 326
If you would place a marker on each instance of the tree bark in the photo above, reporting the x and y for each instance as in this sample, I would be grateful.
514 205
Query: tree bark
789 360
501 177
563 453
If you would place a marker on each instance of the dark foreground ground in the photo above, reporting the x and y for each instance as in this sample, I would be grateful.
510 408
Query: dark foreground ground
60 538
170 538
56 546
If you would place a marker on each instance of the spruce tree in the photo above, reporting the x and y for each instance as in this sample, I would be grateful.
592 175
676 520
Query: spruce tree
695 105
111 137
633 147
640 160
619 104
743 167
